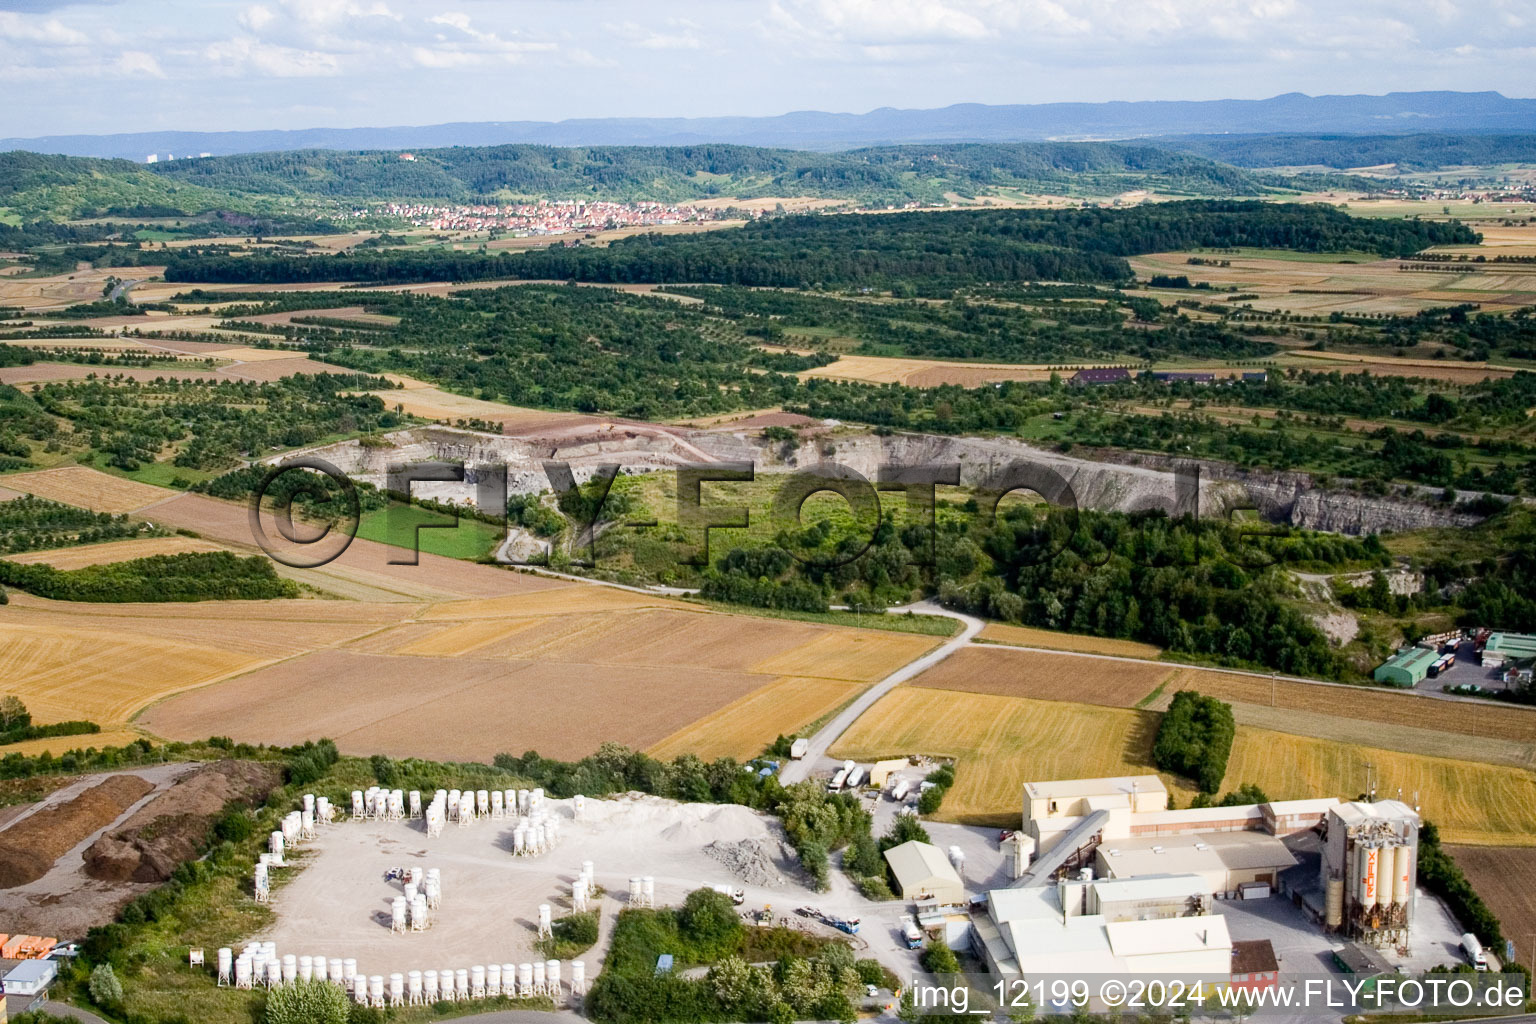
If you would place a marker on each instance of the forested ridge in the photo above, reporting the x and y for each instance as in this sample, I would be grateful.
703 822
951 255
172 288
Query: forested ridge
1419 152
928 252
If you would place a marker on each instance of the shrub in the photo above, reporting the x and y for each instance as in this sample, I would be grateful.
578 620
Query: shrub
940 959
875 887
307 1002
106 991
234 827
1194 739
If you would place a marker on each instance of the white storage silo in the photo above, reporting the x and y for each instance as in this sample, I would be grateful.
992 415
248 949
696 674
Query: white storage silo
226 965
413 988
509 798
579 894
648 891
290 826
397 990
453 804
1366 859
635 892
429 991
414 803
552 977
445 985
477 982
589 873
274 974
1385 861
397 911
349 972
243 970
509 980
578 977
333 971
269 950
376 990
275 843
419 913
307 968
434 894
461 984
482 803
411 889
498 805
524 979
522 801
536 797
357 804
546 922
290 969
1402 882
306 824
519 841
538 978
578 807
308 802
492 980
324 812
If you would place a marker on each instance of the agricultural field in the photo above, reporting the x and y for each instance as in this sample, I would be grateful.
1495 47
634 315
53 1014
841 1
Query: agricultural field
1506 879
84 487
1474 804
1028 636
115 551
1000 743
414 528
926 373
741 729
1042 676
1371 704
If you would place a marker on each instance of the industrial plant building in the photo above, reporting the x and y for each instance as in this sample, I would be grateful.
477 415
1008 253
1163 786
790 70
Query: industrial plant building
1106 874
1407 668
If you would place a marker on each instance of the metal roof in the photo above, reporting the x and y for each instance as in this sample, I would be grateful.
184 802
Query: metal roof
1168 935
915 864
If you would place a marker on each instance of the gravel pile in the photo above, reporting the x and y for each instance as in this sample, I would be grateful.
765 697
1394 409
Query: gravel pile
757 862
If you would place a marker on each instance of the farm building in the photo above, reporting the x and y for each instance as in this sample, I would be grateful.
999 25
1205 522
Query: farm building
923 872
1059 929
1101 375
880 771
1407 668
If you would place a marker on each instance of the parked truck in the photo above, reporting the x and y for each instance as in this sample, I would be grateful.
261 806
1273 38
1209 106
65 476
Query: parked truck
799 748
838 780
1474 950
738 896
911 933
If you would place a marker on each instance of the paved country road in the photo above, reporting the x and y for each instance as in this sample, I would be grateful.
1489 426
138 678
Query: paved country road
800 770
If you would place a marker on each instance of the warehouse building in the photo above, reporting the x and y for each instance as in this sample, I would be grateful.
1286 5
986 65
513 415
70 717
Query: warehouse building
1079 927
1225 862
922 872
1407 668
1508 647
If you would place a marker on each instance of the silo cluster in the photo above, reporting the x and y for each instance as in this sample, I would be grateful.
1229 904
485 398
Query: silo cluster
1369 864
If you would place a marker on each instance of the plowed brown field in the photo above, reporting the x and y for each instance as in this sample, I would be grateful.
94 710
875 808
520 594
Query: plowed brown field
1506 879
1043 676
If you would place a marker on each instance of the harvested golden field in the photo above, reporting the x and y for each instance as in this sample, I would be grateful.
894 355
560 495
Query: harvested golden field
560 599
1373 704
1027 636
1476 804
88 488
744 727
1506 879
447 641
1000 743
926 372
115 551
1444 370
1043 676
867 655
1406 738
57 745
102 676
451 709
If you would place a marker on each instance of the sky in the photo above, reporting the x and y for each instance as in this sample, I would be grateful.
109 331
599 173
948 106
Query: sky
101 66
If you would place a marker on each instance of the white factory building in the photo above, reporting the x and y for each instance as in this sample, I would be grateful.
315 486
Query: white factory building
1109 879
1122 828
1143 926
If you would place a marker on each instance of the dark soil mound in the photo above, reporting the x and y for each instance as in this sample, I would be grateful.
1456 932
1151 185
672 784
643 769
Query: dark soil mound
29 847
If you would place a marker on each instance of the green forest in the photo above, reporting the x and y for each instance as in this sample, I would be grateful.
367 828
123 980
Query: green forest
194 576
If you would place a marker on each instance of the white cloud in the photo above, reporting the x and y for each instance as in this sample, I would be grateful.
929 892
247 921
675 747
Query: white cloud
138 64
50 32
245 55
256 17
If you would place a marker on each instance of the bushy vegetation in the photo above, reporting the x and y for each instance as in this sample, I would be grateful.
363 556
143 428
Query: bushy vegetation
571 936
939 781
187 576
1195 738
28 523
706 931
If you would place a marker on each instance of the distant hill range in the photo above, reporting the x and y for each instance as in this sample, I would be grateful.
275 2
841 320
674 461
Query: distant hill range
1293 113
